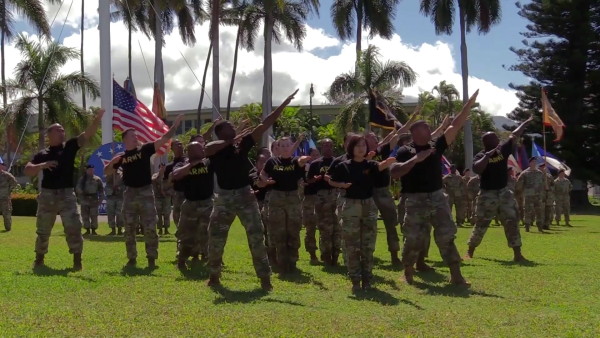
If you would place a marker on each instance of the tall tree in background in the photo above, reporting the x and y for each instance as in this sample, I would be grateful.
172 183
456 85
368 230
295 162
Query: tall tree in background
281 19
162 16
39 87
33 11
481 14
561 54
353 16
247 20
388 78
215 17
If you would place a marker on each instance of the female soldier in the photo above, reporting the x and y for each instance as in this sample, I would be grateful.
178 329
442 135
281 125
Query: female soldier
285 218
358 212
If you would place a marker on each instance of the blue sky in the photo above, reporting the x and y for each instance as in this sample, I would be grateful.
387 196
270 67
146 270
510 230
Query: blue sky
487 53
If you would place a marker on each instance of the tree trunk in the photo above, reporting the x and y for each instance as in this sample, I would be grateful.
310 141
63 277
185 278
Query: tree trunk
129 28
233 72
83 103
216 97
4 96
267 99
359 24
41 128
199 111
159 73
468 134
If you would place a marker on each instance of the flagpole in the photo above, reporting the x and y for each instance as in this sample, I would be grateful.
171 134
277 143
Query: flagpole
105 71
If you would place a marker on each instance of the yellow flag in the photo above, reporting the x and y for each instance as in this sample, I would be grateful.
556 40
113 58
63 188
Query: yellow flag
550 117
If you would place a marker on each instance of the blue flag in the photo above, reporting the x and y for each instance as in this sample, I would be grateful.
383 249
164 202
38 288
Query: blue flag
100 158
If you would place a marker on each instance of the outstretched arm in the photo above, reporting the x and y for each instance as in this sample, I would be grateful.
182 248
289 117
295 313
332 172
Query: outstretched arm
440 130
270 120
517 133
402 168
460 119
91 130
169 134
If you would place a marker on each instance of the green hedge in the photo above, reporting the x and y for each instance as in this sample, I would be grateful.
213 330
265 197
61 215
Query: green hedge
24 204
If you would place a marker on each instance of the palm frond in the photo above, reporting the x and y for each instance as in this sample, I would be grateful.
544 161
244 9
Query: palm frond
343 19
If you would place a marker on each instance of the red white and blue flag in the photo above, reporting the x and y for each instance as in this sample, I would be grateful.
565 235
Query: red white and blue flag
130 113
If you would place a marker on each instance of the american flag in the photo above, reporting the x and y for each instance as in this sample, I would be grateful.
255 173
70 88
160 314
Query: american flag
128 113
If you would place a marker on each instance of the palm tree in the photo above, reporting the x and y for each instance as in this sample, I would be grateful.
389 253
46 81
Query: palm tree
471 13
387 78
34 12
133 14
81 51
247 19
215 17
39 86
162 15
281 18
376 16
448 95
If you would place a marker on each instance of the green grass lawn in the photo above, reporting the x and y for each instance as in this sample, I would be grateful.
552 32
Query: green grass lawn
556 295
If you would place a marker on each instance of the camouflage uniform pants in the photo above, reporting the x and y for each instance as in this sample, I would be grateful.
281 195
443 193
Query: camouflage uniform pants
192 232
548 208
563 207
422 211
330 232
285 222
520 206
89 212
163 210
533 211
496 203
459 204
385 203
63 202
228 204
138 207
178 199
6 210
359 228
310 222
401 210
468 208
113 212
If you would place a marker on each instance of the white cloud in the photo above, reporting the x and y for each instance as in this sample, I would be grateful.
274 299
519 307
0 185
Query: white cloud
291 69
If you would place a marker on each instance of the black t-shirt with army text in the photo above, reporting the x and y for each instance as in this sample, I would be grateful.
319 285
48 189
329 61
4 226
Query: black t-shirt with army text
61 176
494 175
426 176
199 183
286 172
360 174
320 167
136 166
232 166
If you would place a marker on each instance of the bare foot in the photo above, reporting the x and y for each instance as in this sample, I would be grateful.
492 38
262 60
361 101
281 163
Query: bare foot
460 281
409 272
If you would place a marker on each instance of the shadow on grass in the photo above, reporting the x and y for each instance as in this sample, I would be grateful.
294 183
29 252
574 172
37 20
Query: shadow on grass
46 271
383 298
4 231
339 269
451 290
298 277
287 302
113 239
527 263
386 265
386 281
228 296
196 271
132 271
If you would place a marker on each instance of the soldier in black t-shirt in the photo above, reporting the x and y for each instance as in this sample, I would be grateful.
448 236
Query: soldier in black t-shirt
420 170
358 212
383 196
57 195
138 198
229 157
309 218
285 214
495 198
196 177
178 187
261 190
330 232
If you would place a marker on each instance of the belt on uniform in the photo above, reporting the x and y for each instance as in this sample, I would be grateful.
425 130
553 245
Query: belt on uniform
57 191
358 201
327 191
286 193
423 194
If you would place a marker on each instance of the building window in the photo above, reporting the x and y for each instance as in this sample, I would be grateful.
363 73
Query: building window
188 125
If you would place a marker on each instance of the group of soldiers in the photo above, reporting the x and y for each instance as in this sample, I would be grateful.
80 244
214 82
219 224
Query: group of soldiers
274 195
540 196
